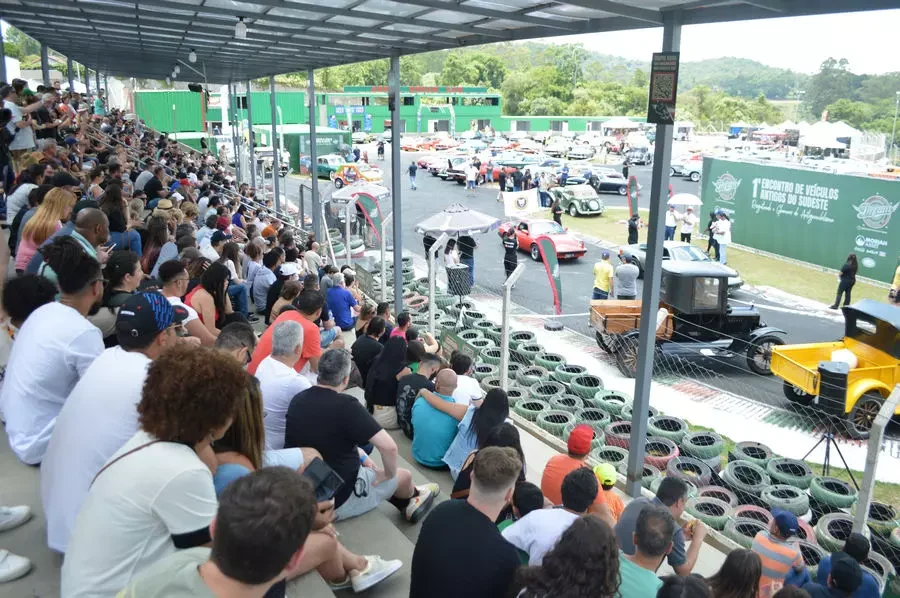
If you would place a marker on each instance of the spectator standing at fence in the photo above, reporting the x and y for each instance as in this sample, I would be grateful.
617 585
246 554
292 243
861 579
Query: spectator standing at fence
603 278
846 280
634 225
626 275
467 245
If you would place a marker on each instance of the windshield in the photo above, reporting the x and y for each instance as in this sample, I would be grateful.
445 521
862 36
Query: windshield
688 253
585 192
546 228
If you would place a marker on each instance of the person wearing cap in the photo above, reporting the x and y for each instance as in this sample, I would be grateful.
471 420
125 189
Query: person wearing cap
100 414
626 275
559 466
213 251
285 272
606 475
779 556
688 222
603 278
843 580
857 547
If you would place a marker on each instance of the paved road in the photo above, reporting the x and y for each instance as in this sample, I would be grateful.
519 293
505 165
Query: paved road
533 292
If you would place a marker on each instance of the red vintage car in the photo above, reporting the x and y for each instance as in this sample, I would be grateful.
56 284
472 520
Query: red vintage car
528 230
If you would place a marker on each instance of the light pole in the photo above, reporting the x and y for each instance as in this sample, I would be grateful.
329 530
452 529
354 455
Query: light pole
894 130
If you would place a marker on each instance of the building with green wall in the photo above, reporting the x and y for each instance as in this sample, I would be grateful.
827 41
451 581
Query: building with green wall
296 140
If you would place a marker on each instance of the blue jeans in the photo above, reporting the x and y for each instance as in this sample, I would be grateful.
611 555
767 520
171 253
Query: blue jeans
470 262
240 298
412 181
723 253
670 234
130 240
517 188
489 175
598 294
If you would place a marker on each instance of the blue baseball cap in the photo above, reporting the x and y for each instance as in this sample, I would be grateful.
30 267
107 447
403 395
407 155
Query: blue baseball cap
786 522
143 316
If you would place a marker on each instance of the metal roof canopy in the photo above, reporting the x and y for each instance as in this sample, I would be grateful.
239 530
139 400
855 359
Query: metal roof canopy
146 39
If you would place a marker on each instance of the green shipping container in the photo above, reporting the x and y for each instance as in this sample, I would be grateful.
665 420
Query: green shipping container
170 111
807 215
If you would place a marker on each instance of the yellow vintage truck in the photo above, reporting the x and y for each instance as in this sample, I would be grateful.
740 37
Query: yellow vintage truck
851 388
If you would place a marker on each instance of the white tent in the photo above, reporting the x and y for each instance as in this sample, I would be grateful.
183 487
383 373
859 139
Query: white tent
787 125
822 140
842 129
620 122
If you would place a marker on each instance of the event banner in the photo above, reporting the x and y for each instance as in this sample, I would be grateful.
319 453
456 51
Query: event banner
518 204
551 263
806 215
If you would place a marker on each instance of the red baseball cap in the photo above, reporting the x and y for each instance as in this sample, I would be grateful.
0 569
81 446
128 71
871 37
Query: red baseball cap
580 439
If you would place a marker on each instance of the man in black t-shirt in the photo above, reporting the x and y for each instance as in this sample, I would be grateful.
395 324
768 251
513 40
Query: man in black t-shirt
467 245
366 348
460 551
408 388
154 188
336 425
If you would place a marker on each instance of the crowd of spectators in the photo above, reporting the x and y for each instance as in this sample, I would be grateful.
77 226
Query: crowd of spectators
177 361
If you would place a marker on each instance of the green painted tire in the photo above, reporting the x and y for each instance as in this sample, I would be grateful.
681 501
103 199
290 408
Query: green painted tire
569 403
471 317
490 383
512 370
627 411
667 426
445 323
649 474
895 537
337 247
812 555
691 489
746 477
356 245
702 445
531 375
489 329
611 401
470 334
482 344
422 285
613 455
492 356
514 394
742 531
443 300
485 370
711 511
721 493
530 408
755 452
599 435
832 531
566 372
521 337
598 418
586 385
689 469
619 434
527 354
879 565
787 498
883 519
789 471
555 421
408 275
544 391
832 492
550 361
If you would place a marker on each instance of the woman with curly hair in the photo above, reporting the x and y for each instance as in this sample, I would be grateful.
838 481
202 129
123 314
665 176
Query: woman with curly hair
739 576
155 495
583 564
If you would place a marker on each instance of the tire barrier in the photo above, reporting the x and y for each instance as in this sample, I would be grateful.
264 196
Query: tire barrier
611 401
667 426
886 549
720 493
832 492
649 474
586 385
786 498
492 357
530 408
758 514
514 394
422 285
812 555
471 334
711 511
691 470
658 452
472 317
483 370
715 463
408 275
805 531
599 435
490 383
418 321
818 510
789 471
627 411
531 375
742 531
745 477
614 455
598 418
338 248
832 531
702 445
549 361
512 369
566 372
544 391
454 308
443 300
482 344
895 537
878 564
555 421
489 329
619 434
527 353
569 403
521 337
417 304
755 452
883 519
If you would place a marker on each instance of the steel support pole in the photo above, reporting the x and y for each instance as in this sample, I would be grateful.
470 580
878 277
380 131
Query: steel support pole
87 79
276 149
313 156
45 65
69 69
106 87
394 101
432 254
894 128
650 296
232 123
384 225
97 80
250 144
876 435
2 59
351 209
504 325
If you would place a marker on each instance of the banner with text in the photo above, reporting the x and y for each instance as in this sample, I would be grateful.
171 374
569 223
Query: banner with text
811 216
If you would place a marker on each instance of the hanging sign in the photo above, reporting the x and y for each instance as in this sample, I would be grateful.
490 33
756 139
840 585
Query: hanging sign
663 88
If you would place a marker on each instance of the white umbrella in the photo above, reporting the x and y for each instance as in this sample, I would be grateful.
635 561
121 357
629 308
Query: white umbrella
684 199
458 219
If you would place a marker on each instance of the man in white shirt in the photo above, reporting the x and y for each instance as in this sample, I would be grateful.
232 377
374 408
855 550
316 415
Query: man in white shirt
21 123
467 388
538 531
213 250
471 177
688 220
278 380
672 218
206 231
100 414
54 348
18 199
721 230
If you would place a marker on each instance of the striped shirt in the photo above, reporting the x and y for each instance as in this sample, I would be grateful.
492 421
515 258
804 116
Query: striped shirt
778 558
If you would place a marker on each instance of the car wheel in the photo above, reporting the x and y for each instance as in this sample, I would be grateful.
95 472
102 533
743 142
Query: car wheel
695 176
797 395
623 190
759 354
338 183
535 253
459 182
671 172
573 211
861 417
627 356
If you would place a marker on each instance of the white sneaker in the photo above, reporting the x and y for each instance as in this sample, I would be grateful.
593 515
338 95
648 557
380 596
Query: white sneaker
12 566
378 570
13 517
419 504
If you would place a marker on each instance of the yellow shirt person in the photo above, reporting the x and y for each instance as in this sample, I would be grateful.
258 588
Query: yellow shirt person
603 278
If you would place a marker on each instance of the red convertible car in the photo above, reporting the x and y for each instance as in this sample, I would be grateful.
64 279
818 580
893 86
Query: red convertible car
527 230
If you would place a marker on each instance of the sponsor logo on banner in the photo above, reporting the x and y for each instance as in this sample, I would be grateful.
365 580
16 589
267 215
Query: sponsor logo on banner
726 186
876 212
868 262
520 203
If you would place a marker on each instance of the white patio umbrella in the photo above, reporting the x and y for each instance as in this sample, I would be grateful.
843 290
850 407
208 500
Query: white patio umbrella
457 219
684 199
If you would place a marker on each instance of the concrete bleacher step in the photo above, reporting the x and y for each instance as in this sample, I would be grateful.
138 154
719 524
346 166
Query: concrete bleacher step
310 585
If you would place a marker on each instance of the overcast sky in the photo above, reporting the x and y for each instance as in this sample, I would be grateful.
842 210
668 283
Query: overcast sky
797 43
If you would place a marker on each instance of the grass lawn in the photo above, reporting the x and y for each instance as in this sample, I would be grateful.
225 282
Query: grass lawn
756 270
884 492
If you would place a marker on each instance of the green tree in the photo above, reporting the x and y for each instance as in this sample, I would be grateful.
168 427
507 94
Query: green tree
411 70
640 78
856 114
25 45
545 106
458 70
514 89
490 69
833 82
